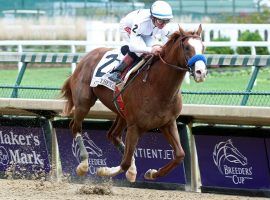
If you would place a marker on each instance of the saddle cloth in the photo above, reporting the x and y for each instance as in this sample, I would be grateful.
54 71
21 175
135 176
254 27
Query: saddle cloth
110 60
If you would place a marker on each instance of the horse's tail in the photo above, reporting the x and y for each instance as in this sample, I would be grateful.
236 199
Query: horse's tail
67 94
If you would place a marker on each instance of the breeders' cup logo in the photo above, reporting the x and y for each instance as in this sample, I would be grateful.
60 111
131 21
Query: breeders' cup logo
95 153
4 158
231 162
225 151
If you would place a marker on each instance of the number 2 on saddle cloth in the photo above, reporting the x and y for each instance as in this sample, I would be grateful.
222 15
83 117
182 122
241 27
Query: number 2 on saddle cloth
138 66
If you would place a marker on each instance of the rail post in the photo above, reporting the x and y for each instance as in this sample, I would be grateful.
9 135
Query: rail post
250 85
73 65
18 80
20 64
193 162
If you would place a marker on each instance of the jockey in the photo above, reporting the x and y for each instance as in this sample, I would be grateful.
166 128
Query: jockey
140 30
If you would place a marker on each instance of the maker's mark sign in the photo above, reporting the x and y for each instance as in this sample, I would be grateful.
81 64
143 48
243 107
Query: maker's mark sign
23 148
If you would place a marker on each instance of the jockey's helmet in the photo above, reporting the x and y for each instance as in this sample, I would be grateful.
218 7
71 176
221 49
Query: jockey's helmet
161 10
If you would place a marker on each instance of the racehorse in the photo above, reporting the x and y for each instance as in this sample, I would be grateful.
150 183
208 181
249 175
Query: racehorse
153 100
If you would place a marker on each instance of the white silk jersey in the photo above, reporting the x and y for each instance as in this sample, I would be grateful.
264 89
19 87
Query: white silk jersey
140 33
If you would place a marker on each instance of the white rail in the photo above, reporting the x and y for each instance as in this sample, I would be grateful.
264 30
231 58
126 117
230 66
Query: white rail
23 45
107 34
212 114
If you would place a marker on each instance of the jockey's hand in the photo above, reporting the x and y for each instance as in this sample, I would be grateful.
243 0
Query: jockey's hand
156 49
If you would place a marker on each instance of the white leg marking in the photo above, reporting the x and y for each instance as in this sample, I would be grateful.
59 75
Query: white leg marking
109 171
132 171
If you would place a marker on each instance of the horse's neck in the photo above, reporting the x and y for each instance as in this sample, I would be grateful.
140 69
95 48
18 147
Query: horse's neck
167 79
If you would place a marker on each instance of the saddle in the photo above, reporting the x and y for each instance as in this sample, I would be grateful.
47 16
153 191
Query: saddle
143 64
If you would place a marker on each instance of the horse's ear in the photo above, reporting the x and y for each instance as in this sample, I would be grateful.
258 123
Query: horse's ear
181 31
199 31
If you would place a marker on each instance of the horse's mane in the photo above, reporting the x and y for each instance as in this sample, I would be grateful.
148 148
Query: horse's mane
175 36
173 42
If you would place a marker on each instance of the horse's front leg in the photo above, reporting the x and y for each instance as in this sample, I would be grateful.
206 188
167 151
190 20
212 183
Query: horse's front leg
115 136
128 161
170 132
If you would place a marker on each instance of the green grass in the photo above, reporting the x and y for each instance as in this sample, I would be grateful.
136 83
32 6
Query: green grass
35 77
46 77
232 79
219 80
227 80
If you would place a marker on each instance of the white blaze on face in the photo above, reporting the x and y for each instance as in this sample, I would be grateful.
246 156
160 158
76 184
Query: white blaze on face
200 70
197 45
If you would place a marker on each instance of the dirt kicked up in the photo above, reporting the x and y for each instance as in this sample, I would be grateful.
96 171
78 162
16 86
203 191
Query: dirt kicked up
47 190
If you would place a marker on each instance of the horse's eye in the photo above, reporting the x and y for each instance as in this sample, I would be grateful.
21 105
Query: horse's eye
187 48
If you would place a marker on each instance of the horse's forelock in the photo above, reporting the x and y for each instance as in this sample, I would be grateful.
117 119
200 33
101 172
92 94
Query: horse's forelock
174 36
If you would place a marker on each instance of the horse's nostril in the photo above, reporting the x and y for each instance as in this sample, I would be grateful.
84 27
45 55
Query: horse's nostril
198 72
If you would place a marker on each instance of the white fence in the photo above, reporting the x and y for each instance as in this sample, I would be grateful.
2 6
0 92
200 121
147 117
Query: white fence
24 45
107 34
99 34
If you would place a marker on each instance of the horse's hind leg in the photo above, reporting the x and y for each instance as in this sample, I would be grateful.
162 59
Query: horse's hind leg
115 136
115 133
82 107
171 133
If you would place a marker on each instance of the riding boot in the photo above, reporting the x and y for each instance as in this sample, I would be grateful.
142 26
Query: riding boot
116 72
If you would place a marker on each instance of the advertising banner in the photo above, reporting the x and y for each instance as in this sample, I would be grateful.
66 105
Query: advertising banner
232 162
267 141
23 150
152 152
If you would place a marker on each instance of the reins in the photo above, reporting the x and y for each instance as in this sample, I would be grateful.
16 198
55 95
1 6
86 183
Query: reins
181 45
149 61
174 66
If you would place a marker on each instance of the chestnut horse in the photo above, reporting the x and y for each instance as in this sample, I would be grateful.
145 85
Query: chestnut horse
153 103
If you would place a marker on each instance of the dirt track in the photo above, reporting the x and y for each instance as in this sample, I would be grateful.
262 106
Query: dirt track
33 190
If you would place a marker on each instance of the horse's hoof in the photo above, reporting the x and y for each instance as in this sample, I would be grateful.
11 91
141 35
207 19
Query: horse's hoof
131 176
81 170
109 171
149 174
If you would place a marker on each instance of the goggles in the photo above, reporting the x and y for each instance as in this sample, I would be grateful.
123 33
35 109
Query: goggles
163 21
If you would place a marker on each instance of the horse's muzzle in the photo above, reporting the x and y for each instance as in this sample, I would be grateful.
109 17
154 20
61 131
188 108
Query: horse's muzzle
200 71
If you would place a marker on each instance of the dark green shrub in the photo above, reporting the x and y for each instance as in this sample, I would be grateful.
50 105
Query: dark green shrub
219 50
251 36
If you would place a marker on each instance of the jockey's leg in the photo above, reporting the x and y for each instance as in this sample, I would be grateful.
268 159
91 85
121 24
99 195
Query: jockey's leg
127 61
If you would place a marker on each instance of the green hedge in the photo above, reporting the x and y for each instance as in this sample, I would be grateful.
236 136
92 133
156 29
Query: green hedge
245 36
251 36
219 50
